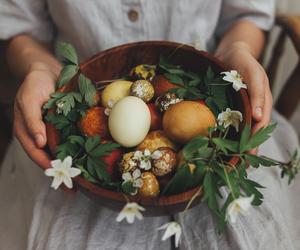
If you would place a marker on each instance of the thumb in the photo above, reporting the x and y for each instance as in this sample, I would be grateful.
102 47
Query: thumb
33 120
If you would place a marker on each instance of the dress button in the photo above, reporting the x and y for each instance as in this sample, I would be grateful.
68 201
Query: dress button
133 15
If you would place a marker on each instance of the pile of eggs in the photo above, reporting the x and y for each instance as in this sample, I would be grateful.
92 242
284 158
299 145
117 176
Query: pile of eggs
150 123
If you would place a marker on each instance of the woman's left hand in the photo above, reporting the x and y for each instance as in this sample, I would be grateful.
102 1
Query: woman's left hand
238 57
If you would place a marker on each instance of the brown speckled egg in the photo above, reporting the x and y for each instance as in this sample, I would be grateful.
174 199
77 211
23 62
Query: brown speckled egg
166 100
164 161
150 186
128 164
142 89
156 139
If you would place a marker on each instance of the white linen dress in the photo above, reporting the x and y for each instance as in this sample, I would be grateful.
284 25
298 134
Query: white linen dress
33 216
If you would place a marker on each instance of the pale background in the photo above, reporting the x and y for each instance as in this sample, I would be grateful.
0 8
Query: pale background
290 58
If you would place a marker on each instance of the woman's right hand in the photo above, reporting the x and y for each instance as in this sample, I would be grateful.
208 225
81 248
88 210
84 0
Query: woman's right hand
29 127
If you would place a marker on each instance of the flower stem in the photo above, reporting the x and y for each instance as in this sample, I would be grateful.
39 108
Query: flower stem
192 199
229 183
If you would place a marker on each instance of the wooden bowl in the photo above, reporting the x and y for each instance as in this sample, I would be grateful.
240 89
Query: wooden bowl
117 62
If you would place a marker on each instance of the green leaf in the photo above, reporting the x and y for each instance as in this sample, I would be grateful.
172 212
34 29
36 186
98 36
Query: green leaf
76 139
193 146
67 149
59 121
91 143
105 149
204 152
128 188
66 74
250 187
192 75
210 102
194 83
86 175
87 90
244 138
91 167
228 178
257 139
67 102
100 168
222 217
256 161
68 52
210 76
225 144
260 136
184 180
54 97
210 192
174 78
220 145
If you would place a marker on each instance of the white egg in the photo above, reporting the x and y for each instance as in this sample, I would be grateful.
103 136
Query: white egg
129 121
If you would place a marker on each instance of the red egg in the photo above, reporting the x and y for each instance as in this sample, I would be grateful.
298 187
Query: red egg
156 117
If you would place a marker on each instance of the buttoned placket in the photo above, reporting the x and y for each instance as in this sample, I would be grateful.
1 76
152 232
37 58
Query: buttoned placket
133 19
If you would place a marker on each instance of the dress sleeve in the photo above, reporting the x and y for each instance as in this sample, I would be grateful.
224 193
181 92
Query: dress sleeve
260 12
25 16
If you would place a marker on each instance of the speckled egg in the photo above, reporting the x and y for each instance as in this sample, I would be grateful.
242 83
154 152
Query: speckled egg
166 100
143 72
128 164
164 161
150 186
142 89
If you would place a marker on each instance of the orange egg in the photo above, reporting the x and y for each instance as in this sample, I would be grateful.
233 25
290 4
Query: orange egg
94 122
186 120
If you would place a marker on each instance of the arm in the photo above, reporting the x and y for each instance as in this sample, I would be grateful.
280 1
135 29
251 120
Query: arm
239 48
38 69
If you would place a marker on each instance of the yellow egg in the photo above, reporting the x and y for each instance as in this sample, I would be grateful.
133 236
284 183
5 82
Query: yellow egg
129 121
115 92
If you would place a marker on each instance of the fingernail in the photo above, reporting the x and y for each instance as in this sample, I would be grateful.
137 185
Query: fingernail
39 139
258 112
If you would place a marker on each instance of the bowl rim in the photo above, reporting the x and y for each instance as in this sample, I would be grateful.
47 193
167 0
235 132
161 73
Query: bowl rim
160 200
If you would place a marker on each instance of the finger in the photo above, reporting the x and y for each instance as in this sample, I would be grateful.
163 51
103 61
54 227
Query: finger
267 109
39 156
32 116
256 89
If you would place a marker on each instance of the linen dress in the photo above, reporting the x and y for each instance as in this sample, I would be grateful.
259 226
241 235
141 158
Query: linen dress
33 216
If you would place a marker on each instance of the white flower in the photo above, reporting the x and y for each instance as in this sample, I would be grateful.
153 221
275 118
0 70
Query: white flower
135 179
147 153
59 108
230 117
156 154
235 78
238 206
62 172
130 211
172 228
144 158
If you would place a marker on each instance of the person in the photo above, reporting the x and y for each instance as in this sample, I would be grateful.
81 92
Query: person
234 30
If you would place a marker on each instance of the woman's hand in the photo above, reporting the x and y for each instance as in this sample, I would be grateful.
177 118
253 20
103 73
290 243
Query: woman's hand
29 127
240 58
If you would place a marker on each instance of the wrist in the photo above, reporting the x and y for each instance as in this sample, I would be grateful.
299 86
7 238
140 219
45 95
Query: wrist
240 46
52 71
